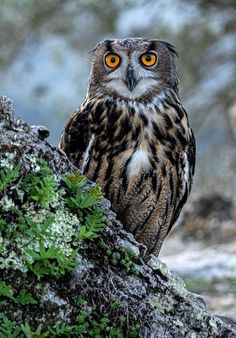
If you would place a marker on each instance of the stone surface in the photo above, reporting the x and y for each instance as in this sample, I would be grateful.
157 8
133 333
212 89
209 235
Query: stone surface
156 299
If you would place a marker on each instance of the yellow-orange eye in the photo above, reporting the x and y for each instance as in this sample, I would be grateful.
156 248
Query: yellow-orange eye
112 60
148 59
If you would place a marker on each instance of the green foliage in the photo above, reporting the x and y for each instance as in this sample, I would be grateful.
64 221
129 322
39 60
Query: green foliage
35 238
120 257
74 181
90 325
32 230
134 331
8 329
9 176
50 261
44 191
33 334
40 186
100 327
94 224
86 324
3 224
81 199
6 290
85 199
117 304
85 202
23 298
62 329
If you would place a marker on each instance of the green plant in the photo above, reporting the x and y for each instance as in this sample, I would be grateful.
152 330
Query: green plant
9 176
85 199
50 261
40 186
109 325
62 329
94 224
120 256
32 230
33 334
86 204
23 298
74 181
117 304
134 331
6 290
8 329
3 224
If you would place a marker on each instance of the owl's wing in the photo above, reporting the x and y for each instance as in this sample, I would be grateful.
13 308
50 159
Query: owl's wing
187 169
75 136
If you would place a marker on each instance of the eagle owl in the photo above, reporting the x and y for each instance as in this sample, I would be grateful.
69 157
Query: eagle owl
132 135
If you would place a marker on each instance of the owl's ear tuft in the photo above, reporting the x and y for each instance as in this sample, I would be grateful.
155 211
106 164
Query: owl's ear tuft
91 52
171 49
105 44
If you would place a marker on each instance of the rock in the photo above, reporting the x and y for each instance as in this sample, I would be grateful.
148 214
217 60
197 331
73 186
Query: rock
111 292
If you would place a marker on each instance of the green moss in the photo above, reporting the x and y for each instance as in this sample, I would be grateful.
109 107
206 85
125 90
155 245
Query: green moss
119 256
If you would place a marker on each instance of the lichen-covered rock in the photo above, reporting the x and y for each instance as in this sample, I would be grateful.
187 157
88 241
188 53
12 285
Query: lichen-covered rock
111 292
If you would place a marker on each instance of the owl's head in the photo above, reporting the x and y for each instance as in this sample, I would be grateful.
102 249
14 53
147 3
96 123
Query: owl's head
133 68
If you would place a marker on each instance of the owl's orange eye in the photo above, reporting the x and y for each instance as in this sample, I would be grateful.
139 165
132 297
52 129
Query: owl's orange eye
148 59
112 60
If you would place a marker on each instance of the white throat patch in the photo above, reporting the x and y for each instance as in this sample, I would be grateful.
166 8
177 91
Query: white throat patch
143 86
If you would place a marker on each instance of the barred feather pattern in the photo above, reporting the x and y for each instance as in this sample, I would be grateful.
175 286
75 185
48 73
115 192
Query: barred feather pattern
143 156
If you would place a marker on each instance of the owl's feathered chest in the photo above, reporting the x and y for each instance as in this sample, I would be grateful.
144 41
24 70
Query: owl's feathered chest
144 135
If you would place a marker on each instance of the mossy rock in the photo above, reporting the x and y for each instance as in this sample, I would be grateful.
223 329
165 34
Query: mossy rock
67 267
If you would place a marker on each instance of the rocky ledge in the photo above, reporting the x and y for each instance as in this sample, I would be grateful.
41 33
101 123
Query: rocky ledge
67 267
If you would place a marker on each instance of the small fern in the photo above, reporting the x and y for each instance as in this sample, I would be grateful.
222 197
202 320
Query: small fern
94 224
9 176
62 330
74 181
6 290
85 199
50 261
44 191
32 230
8 329
40 186
25 298
33 334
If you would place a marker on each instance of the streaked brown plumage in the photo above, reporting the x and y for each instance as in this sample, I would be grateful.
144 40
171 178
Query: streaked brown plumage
132 135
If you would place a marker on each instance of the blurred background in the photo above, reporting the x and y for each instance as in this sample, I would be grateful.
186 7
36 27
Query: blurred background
44 66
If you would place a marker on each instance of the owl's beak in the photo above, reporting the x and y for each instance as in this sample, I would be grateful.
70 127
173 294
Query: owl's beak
131 80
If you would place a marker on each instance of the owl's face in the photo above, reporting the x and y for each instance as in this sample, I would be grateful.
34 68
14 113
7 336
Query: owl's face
133 68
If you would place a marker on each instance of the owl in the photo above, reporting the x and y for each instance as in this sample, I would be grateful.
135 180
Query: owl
132 136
